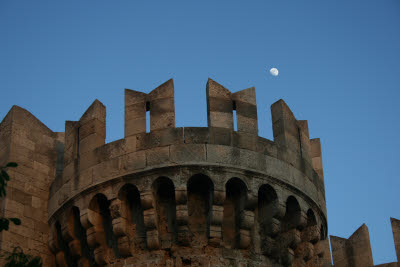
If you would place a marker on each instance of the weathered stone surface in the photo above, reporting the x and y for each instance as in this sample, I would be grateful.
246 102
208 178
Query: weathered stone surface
25 140
133 202
396 235
354 251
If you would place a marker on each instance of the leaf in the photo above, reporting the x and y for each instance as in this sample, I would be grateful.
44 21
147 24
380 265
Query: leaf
12 164
16 221
4 224
5 175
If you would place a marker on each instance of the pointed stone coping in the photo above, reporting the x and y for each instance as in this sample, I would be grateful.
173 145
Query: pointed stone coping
353 251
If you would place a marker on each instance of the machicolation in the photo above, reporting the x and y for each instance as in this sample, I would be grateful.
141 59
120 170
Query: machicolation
192 196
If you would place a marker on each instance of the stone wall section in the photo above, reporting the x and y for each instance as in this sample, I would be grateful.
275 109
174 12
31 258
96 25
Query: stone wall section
25 140
91 167
192 196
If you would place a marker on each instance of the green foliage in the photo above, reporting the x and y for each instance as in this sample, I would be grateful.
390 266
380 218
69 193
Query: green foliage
4 178
5 223
17 258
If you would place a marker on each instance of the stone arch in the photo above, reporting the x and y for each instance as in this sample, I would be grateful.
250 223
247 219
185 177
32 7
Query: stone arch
292 216
311 219
234 204
100 217
132 210
164 199
267 209
322 232
311 233
79 245
200 190
63 245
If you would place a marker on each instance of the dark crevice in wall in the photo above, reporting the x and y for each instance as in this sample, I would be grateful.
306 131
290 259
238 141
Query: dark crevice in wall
200 198
236 196
64 247
80 233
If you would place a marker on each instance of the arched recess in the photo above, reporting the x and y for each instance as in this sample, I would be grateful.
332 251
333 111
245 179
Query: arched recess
312 228
100 217
267 209
64 247
164 198
79 233
200 190
292 217
235 200
311 219
133 211
322 232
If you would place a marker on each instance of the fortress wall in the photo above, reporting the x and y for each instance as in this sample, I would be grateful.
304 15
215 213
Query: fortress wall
218 152
221 144
231 193
32 146
120 158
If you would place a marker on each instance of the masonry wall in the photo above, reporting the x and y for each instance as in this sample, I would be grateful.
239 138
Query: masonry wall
193 188
190 196
25 140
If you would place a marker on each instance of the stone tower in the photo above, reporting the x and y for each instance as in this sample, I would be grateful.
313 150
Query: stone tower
193 196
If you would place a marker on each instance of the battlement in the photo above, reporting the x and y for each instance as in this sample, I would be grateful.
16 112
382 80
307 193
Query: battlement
109 201
356 250
217 144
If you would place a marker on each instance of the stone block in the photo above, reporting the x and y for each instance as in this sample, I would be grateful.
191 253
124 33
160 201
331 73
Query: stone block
37 203
160 138
245 140
133 161
91 142
71 133
33 213
20 196
220 136
94 126
188 153
106 170
246 110
221 120
135 111
135 126
161 120
96 111
247 125
223 105
196 135
267 147
89 159
223 154
157 156
165 90
134 97
85 179
14 206
35 191
252 160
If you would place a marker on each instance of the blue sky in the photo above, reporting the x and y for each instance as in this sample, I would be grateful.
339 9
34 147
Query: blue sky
339 64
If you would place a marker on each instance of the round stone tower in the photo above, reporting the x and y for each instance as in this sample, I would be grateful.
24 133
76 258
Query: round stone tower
193 196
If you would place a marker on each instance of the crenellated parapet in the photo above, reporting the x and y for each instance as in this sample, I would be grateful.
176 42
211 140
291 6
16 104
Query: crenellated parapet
175 196
171 194
355 251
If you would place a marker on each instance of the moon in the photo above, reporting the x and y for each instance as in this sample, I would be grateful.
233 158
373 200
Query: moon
274 71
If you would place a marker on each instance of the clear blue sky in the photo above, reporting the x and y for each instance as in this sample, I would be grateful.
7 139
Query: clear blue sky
339 64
